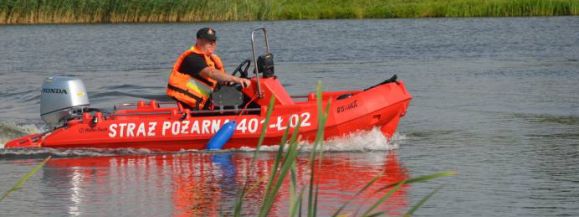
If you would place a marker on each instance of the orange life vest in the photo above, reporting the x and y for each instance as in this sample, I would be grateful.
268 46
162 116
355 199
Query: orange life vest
193 90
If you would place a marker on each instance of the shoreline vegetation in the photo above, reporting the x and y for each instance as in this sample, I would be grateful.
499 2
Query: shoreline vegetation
162 11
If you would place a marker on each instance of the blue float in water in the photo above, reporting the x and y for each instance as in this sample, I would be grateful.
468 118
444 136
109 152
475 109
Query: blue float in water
222 136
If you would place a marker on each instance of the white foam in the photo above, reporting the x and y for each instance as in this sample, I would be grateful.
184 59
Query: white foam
11 130
26 153
361 141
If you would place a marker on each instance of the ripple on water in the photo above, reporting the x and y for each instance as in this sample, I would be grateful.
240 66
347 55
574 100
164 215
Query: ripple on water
362 141
11 130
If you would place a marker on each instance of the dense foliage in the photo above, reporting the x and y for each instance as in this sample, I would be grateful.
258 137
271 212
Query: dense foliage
138 11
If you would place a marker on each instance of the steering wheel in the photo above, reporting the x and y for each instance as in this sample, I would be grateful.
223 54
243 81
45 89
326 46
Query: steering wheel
242 71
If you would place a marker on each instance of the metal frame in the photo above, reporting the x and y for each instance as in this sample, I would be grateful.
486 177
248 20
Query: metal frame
255 68
233 111
134 105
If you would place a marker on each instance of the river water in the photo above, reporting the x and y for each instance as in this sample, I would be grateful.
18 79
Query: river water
495 99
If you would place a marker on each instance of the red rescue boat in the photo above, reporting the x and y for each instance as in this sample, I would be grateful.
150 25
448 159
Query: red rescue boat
169 127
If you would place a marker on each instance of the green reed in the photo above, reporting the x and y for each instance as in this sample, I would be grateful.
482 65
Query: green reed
285 164
327 9
145 11
18 185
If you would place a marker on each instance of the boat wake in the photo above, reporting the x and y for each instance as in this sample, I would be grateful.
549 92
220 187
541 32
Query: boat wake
6 154
362 141
11 130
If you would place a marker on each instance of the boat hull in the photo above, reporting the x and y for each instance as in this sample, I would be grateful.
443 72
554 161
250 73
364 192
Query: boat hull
151 126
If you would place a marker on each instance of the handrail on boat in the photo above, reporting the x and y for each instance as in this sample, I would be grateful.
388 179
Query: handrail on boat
300 96
130 105
255 68
234 111
142 113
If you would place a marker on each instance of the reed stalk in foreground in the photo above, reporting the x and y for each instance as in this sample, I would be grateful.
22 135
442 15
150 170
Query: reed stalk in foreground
156 11
18 185
284 164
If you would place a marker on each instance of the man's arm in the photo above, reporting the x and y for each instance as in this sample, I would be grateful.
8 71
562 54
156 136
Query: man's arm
223 77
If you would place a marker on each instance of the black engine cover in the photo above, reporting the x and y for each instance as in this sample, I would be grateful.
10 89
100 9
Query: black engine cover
227 97
265 65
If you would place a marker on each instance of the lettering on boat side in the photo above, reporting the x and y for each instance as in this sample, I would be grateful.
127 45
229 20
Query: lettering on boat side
92 130
132 129
202 127
347 107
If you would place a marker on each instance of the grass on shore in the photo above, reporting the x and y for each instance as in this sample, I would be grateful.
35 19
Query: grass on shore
143 11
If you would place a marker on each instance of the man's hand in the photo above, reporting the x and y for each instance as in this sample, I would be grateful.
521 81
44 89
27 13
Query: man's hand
222 77
244 82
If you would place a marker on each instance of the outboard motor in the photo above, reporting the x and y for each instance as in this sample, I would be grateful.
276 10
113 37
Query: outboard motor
62 98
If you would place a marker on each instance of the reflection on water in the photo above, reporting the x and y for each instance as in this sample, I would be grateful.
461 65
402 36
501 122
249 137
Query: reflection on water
206 184
494 99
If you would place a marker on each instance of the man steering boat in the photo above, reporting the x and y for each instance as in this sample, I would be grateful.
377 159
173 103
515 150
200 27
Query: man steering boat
197 72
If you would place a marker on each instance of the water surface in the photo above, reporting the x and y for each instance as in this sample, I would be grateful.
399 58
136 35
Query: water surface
495 99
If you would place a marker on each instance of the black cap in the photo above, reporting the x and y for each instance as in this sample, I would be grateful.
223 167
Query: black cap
207 33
